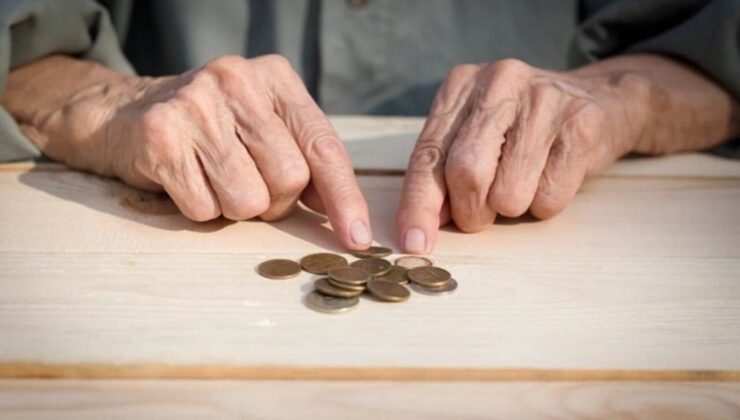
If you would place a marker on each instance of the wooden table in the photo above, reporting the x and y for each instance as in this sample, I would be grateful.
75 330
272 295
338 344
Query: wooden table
627 304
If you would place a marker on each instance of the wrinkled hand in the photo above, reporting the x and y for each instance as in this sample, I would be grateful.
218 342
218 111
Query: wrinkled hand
506 138
239 138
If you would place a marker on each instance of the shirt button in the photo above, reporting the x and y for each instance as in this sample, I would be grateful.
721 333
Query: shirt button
357 4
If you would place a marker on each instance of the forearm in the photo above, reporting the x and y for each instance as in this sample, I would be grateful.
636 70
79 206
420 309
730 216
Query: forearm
679 109
39 96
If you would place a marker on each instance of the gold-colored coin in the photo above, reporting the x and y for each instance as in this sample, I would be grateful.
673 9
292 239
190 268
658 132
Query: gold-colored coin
413 261
397 274
349 275
388 291
279 269
339 284
373 252
329 304
446 289
429 276
375 266
324 286
322 262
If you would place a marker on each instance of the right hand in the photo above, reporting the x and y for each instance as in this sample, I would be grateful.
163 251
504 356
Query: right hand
238 137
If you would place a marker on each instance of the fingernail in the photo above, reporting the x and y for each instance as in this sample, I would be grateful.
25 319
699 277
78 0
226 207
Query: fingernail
360 233
415 241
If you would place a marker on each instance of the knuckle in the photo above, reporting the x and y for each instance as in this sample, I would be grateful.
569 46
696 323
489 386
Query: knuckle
155 125
464 172
463 71
466 225
275 64
246 205
544 93
277 61
582 129
224 64
155 120
275 214
509 203
205 77
548 202
190 95
225 74
201 210
428 156
295 179
510 66
322 145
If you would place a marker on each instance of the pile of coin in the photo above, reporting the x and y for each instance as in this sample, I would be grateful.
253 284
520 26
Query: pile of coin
344 282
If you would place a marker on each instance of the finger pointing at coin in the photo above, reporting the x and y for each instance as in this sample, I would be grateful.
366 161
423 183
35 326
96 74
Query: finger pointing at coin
238 138
507 138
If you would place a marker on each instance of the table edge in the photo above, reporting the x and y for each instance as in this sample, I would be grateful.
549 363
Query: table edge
16 370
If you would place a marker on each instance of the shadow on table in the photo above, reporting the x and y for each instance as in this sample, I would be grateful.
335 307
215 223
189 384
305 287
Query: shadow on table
113 197
309 226
159 211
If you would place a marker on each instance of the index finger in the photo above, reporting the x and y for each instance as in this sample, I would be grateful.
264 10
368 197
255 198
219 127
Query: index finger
424 189
331 169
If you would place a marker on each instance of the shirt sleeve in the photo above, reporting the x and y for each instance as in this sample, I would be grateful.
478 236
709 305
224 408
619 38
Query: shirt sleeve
33 29
703 33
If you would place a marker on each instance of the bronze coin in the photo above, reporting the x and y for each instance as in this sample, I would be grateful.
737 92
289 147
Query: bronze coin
388 291
330 304
373 252
413 261
446 289
322 262
375 266
279 269
397 274
353 287
323 286
349 275
429 276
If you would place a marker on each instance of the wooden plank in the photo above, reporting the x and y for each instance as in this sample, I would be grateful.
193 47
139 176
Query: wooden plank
637 276
610 218
59 400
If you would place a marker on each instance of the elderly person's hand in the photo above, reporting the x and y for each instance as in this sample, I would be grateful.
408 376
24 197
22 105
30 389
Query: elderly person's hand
239 138
504 138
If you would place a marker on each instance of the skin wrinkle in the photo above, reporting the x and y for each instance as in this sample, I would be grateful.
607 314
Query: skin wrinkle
134 128
469 186
430 153
455 97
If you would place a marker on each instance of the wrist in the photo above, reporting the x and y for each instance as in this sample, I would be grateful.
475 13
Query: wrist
63 106
77 129
625 95
668 105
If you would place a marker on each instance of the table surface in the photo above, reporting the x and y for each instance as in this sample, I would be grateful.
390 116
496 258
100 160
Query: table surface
639 279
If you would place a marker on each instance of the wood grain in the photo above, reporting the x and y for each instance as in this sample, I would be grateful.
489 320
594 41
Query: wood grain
638 279
59 400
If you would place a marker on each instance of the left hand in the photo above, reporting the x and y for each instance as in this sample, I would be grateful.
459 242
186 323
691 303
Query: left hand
506 137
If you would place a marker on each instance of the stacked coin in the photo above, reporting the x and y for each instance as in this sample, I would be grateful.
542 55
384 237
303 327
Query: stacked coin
344 283
430 280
